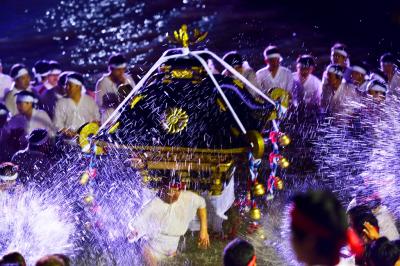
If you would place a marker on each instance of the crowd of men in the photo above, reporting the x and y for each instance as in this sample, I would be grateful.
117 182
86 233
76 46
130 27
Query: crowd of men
56 104
57 100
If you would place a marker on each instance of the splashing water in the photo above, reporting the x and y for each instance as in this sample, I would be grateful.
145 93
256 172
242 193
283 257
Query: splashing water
35 225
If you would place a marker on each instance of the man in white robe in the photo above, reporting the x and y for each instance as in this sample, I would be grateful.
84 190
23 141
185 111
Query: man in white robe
5 82
165 219
307 87
75 110
336 92
359 74
389 68
108 84
274 75
28 117
22 80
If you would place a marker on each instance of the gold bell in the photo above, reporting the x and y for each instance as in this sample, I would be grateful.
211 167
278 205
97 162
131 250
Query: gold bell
279 183
284 163
284 140
217 181
84 178
255 213
258 190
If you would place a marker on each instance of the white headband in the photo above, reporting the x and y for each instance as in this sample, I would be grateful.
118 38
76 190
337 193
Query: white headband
378 87
359 70
342 52
75 81
26 99
275 55
123 65
334 71
21 72
9 177
55 72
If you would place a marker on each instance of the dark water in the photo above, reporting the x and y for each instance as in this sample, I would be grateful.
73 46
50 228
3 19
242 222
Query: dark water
81 34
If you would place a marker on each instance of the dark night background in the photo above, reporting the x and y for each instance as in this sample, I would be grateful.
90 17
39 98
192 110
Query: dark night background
369 28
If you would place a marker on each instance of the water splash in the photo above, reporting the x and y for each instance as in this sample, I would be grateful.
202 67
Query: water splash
35 224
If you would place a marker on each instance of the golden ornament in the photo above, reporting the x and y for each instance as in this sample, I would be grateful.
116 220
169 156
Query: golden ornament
176 120
255 213
258 190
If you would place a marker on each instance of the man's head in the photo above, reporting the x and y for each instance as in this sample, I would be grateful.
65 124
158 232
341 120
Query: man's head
39 140
4 115
377 89
74 84
53 260
334 75
117 66
239 252
8 175
234 59
14 259
171 188
61 84
272 57
318 227
339 54
358 73
21 76
382 252
305 65
388 63
54 73
26 101
41 70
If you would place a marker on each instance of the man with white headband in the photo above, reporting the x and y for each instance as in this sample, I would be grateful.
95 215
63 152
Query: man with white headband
166 218
5 82
49 91
76 109
359 74
22 80
274 75
307 87
28 117
389 67
40 70
50 79
336 92
339 56
8 176
235 60
108 84
377 89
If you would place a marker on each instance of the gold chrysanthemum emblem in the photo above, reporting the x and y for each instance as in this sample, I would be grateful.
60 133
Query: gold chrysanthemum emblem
175 120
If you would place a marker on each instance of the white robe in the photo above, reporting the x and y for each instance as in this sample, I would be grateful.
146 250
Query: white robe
163 224
394 85
106 85
283 79
335 101
5 85
39 119
72 116
310 91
